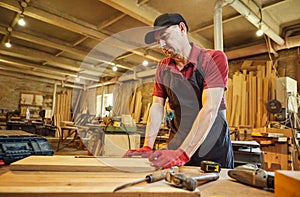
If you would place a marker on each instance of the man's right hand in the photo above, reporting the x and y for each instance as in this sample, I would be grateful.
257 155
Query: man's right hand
143 152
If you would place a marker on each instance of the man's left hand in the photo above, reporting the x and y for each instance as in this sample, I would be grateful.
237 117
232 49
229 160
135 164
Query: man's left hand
168 158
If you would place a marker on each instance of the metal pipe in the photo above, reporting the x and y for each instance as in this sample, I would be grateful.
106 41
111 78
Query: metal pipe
251 17
218 27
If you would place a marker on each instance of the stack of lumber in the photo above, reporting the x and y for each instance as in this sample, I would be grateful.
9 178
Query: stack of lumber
248 93
128 100
122 98
62 109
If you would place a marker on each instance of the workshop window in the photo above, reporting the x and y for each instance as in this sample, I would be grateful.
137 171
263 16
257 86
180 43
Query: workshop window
102 103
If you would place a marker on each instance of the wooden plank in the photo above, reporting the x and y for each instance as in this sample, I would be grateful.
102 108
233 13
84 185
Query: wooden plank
250 100
239 90
65 184
68 184
287 183
259 98
247 65
253 100
265 97
228 94
146 114
237 99
138 106
244 99
131 107
84 164
269 65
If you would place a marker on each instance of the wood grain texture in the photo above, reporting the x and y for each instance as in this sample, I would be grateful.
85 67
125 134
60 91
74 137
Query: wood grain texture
82 164
287 183
32 183
46 183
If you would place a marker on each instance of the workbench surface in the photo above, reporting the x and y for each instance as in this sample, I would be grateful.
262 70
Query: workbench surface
74 183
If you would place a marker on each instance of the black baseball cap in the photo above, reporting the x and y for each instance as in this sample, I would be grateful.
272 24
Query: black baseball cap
164 21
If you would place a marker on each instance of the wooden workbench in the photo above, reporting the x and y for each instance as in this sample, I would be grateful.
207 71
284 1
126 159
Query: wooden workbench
16 182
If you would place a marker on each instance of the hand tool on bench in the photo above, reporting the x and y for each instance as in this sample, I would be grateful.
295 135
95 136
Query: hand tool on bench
189 182
150 178
250 174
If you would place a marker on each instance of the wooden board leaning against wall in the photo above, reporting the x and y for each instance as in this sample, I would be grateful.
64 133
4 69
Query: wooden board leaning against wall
62 111
248 92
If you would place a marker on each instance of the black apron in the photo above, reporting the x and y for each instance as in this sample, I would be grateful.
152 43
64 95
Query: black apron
185 98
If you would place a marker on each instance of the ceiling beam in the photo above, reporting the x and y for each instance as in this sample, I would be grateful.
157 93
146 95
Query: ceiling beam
56 62
69 24
290 42
270 21
59 45
248 13
32 54
111 21
143 13
39 79
33 73
36 67
147 15
273 24
50 42
26 77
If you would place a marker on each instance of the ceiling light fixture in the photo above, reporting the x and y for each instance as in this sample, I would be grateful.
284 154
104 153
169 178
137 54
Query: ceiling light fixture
260 32
23 5
145 63
114 68
21 20
7 44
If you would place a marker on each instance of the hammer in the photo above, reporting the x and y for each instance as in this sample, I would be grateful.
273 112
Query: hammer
189 182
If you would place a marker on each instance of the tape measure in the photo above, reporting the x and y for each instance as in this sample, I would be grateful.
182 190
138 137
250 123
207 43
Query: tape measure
210 166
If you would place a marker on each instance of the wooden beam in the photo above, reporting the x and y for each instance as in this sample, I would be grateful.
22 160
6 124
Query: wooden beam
38 79
34 73
36 67
71 24
31 54
147 15
58 44
18 75
111 21
58 62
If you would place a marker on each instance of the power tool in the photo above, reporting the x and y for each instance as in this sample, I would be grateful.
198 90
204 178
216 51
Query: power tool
250 174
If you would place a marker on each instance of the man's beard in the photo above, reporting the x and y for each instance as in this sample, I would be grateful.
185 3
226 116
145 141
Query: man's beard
176 56
171 55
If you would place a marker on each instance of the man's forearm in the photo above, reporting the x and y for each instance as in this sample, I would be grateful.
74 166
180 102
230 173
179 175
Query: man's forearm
198 132
204 121
153 124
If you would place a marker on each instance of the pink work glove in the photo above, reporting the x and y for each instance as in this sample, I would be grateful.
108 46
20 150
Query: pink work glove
143 152
167 158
